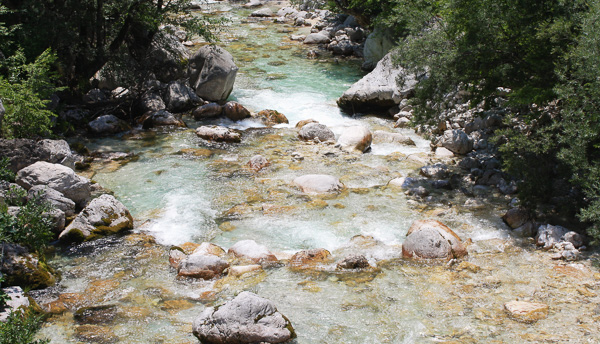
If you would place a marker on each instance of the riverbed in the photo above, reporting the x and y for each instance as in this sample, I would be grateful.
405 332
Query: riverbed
182 189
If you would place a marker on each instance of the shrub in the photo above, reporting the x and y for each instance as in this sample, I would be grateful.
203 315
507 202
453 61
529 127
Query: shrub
21 327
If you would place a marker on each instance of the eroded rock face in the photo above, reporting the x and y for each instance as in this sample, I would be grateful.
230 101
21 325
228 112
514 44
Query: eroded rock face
103 216
218 134
378 89
212 73
108 124
20 267
252 251
355 138
316 131
431 239
57 177
248 318
318 183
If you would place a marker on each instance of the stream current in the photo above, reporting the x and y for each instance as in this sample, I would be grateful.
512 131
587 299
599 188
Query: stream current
181 189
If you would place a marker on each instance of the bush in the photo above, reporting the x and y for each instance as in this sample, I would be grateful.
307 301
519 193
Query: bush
6 174
21 327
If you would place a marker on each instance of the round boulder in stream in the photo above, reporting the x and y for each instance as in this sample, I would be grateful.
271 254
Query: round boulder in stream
316 131
103 216
212 73
235 111
248 318
355 138
318 183
218 134
431 239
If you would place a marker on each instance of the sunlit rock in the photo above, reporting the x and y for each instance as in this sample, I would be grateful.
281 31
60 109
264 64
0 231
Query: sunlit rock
248 318
380 136
240 270
308 259
457 141
355 138
431 239
218 134
104 215
201 265
318 183
16 300
212 73
353 262
258 162
271 117
251 251
316 131
527 312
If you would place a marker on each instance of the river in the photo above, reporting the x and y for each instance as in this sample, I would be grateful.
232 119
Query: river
182 189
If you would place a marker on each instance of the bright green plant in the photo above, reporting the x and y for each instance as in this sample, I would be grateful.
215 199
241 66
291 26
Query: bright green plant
6 174
21 328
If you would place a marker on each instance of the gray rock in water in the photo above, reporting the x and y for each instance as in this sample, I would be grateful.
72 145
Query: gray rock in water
435 171
212 73
16 300
318 183
378 89
516 217
162 118
152 101
457 141
353 262
166 57
263 12
201 266
316 38
218 134
209 110
548 235
180 97
381 136
312 131
108 124
355 138
432 239
248 318
24 152
57 177
103 216
235 111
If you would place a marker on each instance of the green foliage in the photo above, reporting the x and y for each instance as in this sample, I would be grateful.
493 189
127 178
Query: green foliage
24 92
15 196
21 327
5 172
4 298
32 226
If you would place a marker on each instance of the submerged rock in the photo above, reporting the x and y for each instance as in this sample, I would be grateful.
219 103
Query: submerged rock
527 312
353 262
201 265
307 259
212 73
318 183
258 162
379 89
248 318
218 134
355 138
57 177
103 216
432 239
315 131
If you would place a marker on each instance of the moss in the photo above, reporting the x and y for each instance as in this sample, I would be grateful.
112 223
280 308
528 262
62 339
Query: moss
74 235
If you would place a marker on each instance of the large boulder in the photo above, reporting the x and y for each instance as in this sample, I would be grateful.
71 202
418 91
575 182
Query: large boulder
248 318
378 90
103 216
318 183
263 12
108 124
180 97
431 239
166 57
317 38
212 73
16 300
218 134
209 110
201 265
312 131
24 152
20 267
57 177
252 251
377 45
457 141
55 198
355 138
516 217
235 111
151 102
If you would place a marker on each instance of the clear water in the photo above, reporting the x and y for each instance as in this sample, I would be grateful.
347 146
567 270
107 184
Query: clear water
179 197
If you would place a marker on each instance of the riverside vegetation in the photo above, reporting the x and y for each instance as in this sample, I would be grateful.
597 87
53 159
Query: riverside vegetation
533 64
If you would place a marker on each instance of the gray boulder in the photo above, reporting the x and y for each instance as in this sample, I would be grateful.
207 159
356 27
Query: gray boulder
24 152
435 171
248 318
457 141
201 266
103 216
341 47
549 236
218 134
16 300
312 131
355 138
379 89
180 97
318 183
377 45
166 57
108 124
316 38
57 177
55 198
151 101
263 12
212 73
162 118
209 110
431 239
